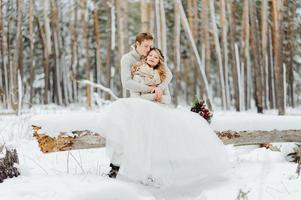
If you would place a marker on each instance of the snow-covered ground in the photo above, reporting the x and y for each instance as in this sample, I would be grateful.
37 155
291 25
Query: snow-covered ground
257 173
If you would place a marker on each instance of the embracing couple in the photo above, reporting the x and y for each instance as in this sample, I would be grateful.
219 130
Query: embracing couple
144 74
151 143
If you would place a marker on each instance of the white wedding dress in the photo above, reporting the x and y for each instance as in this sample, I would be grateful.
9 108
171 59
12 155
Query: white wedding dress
161 146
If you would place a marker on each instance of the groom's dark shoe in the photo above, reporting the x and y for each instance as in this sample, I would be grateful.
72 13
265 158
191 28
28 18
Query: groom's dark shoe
114 171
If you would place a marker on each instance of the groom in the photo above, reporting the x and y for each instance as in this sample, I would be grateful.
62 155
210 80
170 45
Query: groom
143 43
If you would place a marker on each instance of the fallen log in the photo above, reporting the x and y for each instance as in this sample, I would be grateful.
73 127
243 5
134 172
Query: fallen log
63 142
87 139
8 159
259 137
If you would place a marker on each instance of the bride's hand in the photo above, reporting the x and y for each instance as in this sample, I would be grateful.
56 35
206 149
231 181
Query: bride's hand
158 94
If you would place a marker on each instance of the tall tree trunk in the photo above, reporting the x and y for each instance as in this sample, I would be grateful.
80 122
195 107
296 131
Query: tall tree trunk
123 32
45 59
18 57
31 50
47 50
264 43
289 13
192 8
74 53
205 34
10 70
224 26
58 67
113 43
218 52
83 4
1 58
192 15
177 55
145 15
47 26
163 30
109 48
97 45
231 7
277 58
272 96
158 23
245 49
256 57
147 8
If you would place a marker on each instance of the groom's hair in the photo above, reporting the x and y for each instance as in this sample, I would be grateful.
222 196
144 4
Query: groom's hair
140 37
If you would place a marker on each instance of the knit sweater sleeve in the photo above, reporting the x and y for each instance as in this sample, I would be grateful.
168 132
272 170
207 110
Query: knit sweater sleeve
126 80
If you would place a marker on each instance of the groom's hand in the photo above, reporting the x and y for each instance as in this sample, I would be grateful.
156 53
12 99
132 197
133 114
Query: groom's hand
158 94
152 89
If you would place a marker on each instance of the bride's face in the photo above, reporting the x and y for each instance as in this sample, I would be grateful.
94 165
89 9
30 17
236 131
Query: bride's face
152 58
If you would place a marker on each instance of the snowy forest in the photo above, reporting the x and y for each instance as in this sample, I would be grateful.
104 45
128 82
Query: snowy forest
235 100
235 54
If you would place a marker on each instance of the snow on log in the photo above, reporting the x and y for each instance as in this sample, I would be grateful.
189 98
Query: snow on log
87 139
8 159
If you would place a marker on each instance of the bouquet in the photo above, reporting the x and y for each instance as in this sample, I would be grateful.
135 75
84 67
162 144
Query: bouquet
200 107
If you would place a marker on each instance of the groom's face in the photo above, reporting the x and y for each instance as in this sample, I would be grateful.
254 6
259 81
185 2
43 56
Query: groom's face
144 47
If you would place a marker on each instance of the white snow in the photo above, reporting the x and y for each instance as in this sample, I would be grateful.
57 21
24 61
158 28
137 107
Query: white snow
78 175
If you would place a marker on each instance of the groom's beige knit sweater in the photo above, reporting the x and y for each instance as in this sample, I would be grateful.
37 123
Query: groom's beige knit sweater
127 61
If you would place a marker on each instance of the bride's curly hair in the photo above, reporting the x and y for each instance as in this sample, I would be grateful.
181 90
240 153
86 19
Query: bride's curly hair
160 66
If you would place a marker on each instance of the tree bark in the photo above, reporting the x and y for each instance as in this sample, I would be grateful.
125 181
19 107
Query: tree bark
31 50
264 43
109 47
218 52
192 14
4 59
177 54
163 30
18 58
224 25
245 49
277 58
97 44
56 46
74 53
45 36
271 69
231 6
205 35
256 57
45 60
289 13
123 33
83 4
145 15
158 23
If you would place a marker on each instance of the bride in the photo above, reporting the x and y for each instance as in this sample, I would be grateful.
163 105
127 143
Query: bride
160 146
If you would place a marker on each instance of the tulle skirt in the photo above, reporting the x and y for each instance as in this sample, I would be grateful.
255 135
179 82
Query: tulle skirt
159 145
